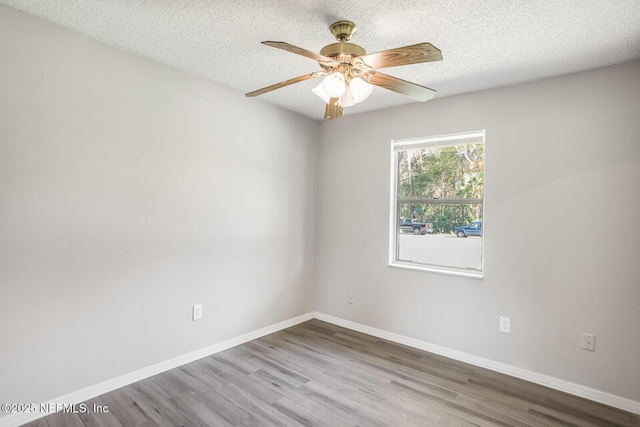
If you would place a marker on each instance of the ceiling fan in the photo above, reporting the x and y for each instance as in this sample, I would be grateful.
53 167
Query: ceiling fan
349 72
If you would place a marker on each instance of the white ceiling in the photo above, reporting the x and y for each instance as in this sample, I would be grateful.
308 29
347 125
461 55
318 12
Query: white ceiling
485 43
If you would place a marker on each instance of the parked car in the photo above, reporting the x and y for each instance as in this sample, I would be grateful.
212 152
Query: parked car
410 225
473 229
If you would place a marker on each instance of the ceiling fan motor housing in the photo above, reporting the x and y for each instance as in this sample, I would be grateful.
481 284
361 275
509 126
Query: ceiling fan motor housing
334 50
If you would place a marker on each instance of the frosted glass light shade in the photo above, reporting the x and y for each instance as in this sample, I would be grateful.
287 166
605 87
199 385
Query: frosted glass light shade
360 89
318 90
334 85
346 100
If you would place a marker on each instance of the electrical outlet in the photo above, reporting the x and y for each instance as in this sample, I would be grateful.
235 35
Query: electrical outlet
197 312
350 298
588 342
505 325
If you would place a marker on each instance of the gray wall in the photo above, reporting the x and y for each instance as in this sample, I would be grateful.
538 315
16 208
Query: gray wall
561 237
128 193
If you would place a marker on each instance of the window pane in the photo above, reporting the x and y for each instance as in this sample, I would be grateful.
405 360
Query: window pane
452 237
451 172
444 217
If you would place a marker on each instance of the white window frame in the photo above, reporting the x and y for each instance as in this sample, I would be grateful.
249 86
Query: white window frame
425 142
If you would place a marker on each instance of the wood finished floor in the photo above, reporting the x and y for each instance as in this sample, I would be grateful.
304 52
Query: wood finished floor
318 374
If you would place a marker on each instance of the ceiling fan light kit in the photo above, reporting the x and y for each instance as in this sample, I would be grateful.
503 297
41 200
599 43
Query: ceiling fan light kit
357 91
349 73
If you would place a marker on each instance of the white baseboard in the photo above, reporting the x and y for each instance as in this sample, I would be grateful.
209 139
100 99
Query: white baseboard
90 392
534 377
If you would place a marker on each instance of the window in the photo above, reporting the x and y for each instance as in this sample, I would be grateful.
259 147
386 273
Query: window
437 203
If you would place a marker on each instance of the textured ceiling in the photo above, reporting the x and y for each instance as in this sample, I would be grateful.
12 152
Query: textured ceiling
485 43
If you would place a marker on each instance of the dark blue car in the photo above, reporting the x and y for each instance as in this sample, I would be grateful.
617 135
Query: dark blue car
473 229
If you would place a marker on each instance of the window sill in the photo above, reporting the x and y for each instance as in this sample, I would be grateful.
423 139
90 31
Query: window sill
434 269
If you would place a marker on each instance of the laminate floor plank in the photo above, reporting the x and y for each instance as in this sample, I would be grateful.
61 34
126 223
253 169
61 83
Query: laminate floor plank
263 410
400 410
319 374
64 419
587 411
91 418
42 422
124 408
311 413
148 403
235 359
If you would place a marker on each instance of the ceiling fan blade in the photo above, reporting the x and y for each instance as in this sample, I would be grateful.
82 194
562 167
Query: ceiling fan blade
300 51
333 110
415 91
414 54
281 84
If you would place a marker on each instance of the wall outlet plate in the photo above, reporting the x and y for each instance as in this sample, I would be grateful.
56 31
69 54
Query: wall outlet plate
351 297
197 312
588 342
505 325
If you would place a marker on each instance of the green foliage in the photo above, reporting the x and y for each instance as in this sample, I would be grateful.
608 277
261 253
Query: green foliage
442 174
